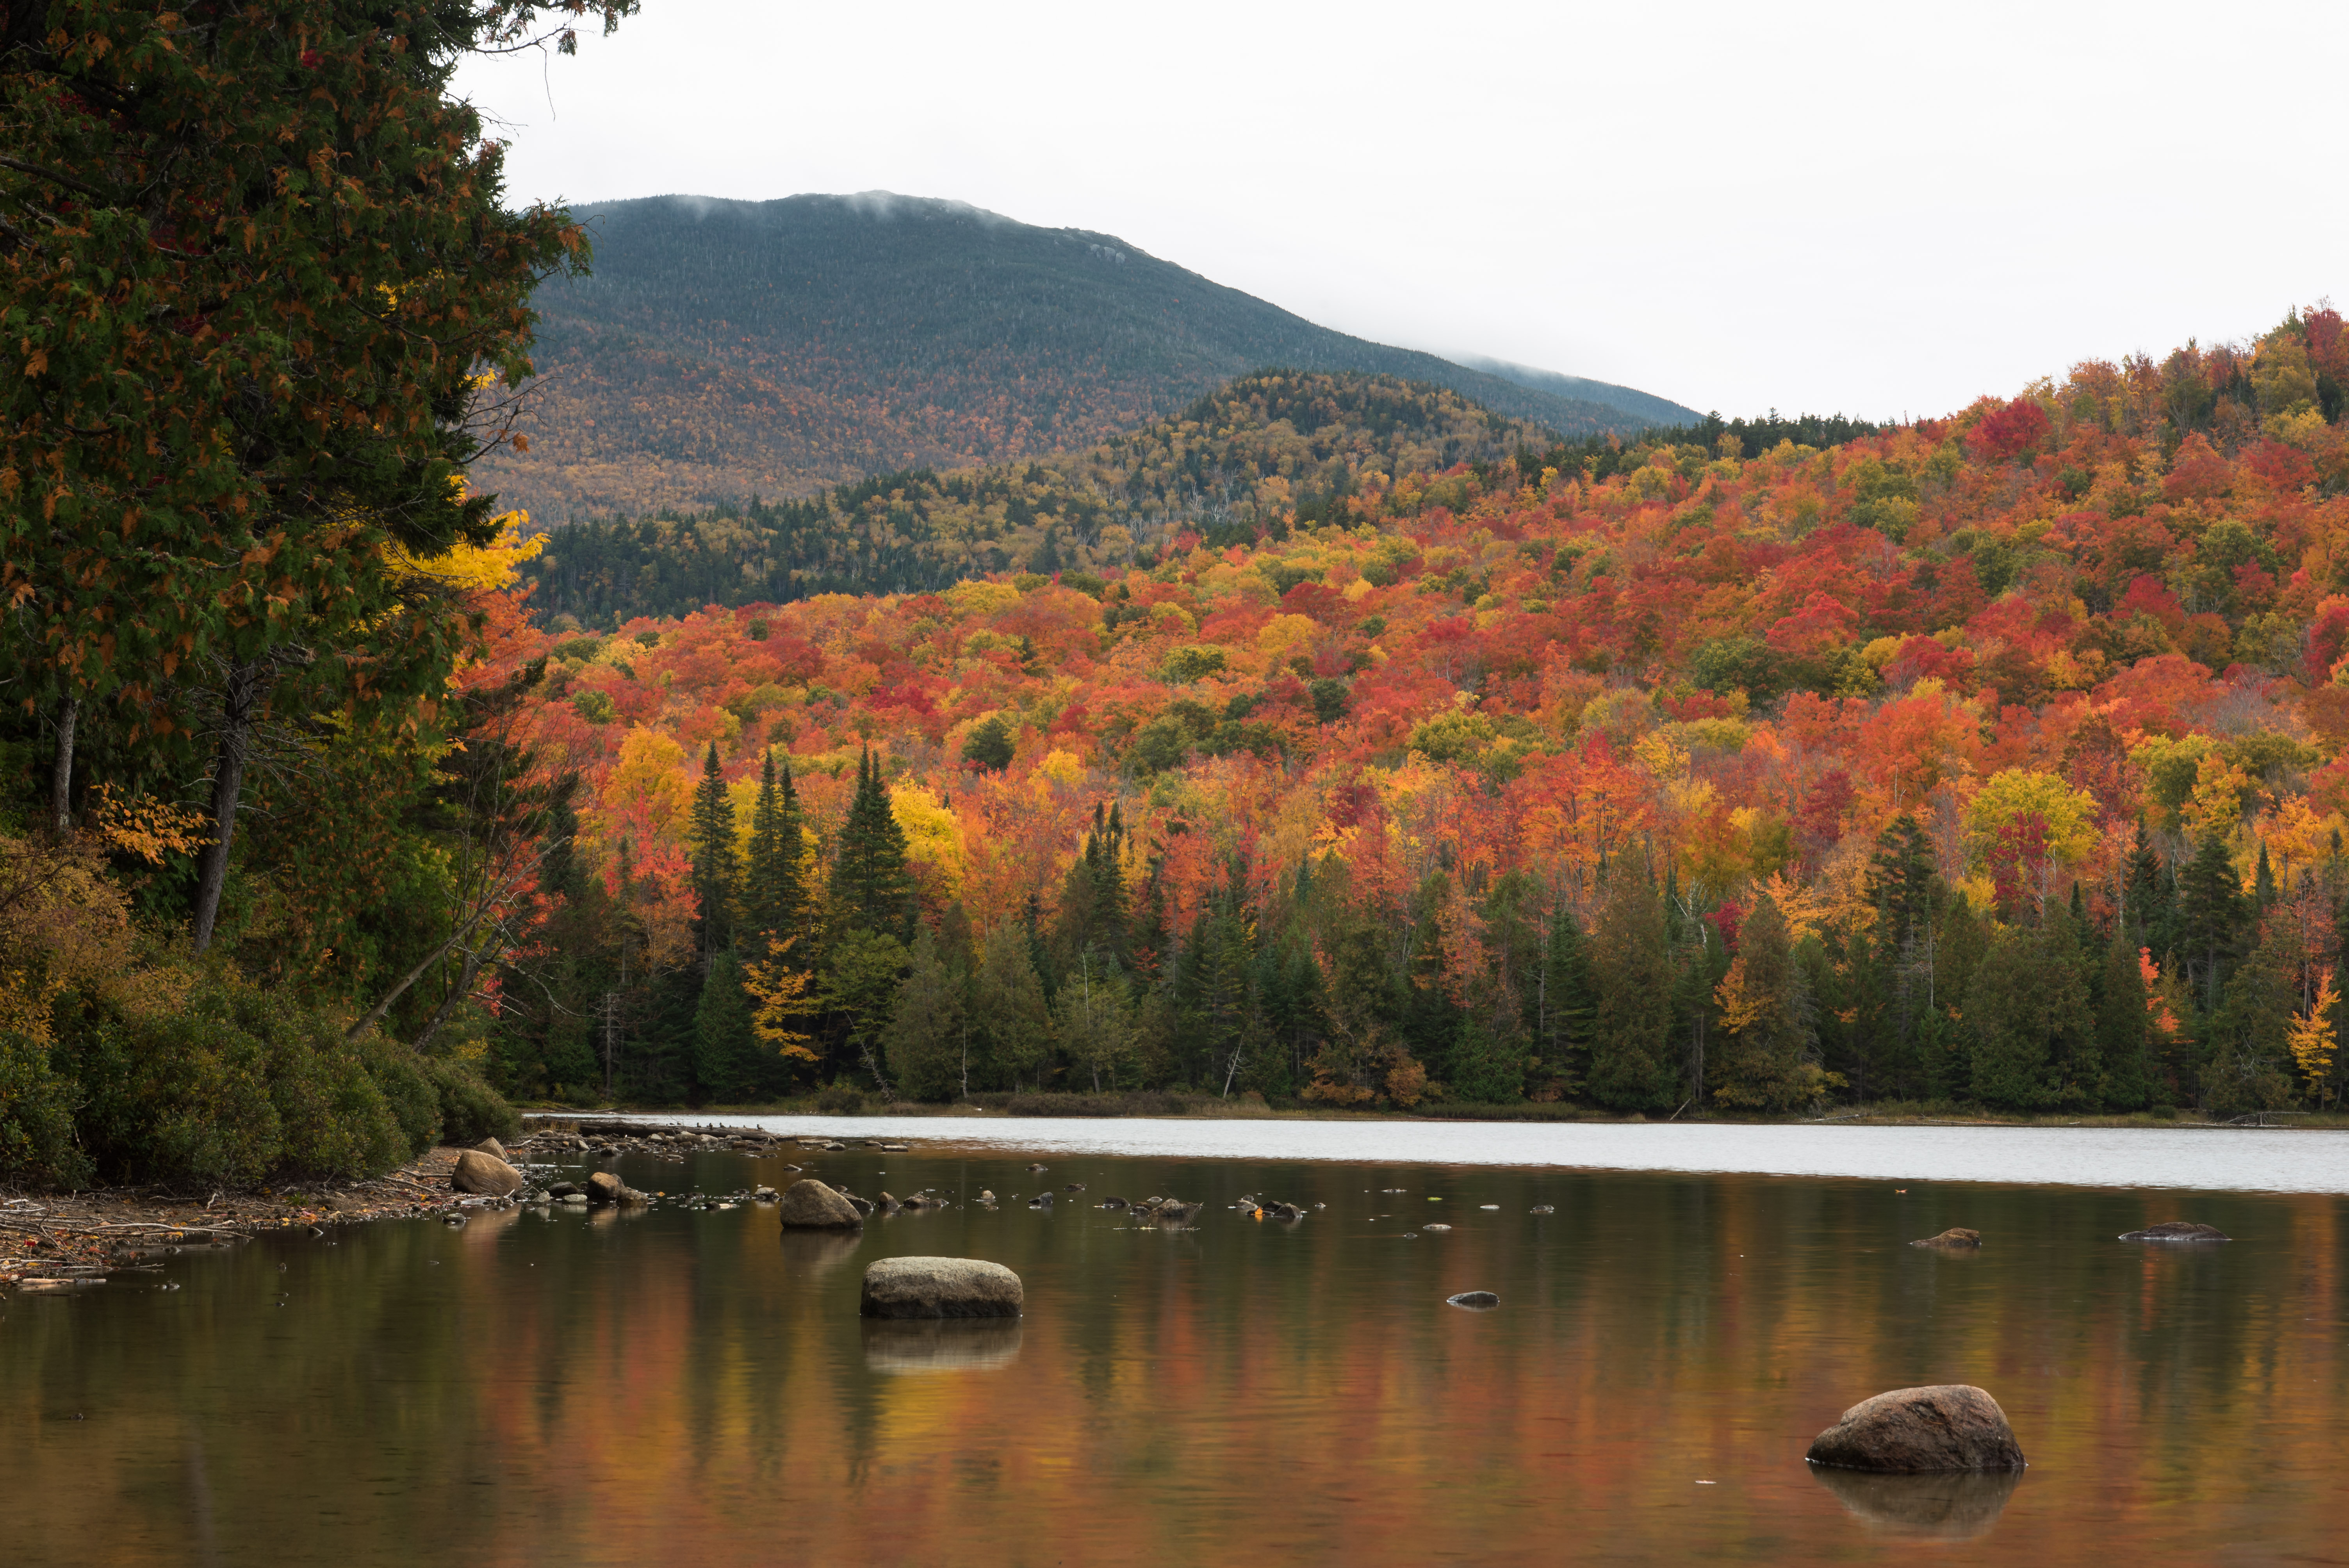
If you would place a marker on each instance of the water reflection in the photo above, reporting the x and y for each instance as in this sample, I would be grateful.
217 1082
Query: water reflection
1957 1506
941 1345
677 1385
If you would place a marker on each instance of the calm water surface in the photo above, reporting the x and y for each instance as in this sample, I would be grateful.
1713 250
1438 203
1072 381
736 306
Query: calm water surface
684 1387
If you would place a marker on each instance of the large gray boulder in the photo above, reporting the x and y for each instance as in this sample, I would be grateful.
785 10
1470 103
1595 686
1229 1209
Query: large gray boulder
1913 1432
940 1287
809 1205
485 1174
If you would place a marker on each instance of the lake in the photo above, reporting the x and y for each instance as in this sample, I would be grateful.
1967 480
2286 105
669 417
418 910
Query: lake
682 1386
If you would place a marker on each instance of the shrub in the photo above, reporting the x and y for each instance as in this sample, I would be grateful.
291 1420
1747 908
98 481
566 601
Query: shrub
37 1125
415 1103
470 1109
840 1099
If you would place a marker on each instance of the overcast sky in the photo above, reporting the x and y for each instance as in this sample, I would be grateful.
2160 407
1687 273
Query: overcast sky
1869 208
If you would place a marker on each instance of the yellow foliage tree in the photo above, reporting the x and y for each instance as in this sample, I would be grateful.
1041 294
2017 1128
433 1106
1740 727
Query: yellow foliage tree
780 996
2312 1036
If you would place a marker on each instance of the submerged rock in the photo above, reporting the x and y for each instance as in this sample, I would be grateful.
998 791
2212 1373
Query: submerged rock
809 1205
1544 1209
1040 1201
485 1174
1913 1431
1436 1227
940 1287
1955 1236
1473 1300
2179 1230
1112 1203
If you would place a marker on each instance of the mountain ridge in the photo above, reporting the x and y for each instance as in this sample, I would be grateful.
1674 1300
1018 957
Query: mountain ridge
727 349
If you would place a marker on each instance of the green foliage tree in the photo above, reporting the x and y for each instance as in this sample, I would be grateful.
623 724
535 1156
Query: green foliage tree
1631 1066
726 1057
2027 1019
870 888
2248 1063
774 887
929 1038
1093 1022
1007 999
989 745
1764 1061
2123 1027
860 985
716 864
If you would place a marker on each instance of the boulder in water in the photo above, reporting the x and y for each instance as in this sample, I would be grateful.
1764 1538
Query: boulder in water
1913 1432
2179 1230
485 1174
1956 1236
604 1187
809 1205
1473 1300
940 1287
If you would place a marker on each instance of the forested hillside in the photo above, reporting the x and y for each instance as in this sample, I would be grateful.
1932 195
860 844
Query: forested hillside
725 350
1264 454
1992 760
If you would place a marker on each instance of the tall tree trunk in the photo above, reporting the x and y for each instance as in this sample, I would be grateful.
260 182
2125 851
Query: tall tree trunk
248 687
61 774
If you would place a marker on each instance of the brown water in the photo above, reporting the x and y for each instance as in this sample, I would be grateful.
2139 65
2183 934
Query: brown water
683 1387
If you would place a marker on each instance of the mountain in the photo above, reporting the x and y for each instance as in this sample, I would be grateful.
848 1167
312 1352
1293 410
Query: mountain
727 349
1646 408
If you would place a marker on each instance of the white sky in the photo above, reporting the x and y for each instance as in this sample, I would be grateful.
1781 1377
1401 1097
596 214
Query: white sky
1871 209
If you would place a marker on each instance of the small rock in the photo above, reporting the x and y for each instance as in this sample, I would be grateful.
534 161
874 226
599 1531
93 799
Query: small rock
2179 1230
940 1287
1282 1212
1074 1186
986 1196
562 1190
1955 1236
1473 1300
1039 1168
575 1200
809 1205
1040 1201
1113 1203
893 1148
494 1150
1174 1211
604 1187
485 1174
1436 1227
1544 1209
886 1204
1913 1432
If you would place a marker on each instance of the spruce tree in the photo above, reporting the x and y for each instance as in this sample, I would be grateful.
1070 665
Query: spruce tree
1569 1005
2263 882
725 1064
1009 1004
870 888
2209 918
2123 1025
774 895
1902 886
2026 1017
717 867
2147 894
2248 1063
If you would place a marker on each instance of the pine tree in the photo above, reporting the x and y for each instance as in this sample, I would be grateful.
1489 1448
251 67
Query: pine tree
717 867
1631 1066
2263 882
2026 1017
870 888
774 893
1901 886
2147 894
2248 1065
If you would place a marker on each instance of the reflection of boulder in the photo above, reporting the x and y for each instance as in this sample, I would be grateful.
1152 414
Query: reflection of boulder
814 1253
488 1223
1956 1505
941 1345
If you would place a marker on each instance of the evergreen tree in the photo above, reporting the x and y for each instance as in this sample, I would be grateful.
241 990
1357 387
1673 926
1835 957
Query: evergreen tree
1764 1061
1902 886
717 867
725 1055
2123 1025
2026 1017
928 1042
860 976
774 892
2146 894
2263 882
2209 918
870 888
2248 1063
1569 1001
1008 1000
1631 1059
1094 1024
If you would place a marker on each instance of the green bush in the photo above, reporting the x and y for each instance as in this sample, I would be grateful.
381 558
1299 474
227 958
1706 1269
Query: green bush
36 1123
840 1099
414 1100
470 1109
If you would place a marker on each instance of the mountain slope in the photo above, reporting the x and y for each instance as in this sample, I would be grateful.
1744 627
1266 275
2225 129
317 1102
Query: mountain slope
729 348
1646 408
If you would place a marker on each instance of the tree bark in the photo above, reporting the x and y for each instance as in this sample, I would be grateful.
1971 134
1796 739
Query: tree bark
248 688
61 773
